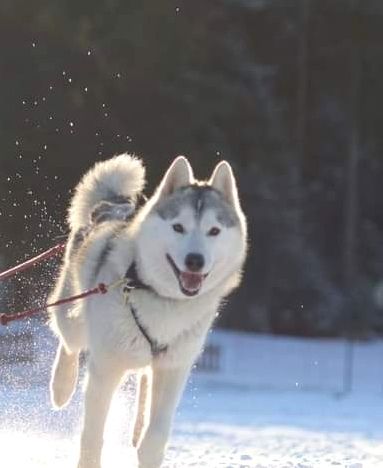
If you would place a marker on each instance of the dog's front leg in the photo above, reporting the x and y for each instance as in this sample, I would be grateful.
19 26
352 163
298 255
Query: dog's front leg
167 387
102 382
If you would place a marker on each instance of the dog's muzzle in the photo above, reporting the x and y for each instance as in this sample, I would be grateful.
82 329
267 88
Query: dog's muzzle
190 282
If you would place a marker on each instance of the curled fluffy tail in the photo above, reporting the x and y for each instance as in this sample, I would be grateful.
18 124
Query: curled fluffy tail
119 178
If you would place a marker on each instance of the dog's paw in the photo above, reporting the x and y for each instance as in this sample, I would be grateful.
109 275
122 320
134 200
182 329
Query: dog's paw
150 456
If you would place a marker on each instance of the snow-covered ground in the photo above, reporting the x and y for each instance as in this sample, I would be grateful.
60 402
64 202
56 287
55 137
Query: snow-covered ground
219 425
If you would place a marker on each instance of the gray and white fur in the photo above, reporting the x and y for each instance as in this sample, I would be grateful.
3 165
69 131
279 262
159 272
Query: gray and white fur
188 243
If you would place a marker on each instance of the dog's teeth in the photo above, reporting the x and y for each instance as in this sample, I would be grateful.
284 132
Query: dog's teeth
191 281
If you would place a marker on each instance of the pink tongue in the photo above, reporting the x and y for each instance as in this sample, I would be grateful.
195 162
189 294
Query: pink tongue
191 281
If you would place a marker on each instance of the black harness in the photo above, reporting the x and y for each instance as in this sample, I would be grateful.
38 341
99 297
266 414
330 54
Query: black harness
133 283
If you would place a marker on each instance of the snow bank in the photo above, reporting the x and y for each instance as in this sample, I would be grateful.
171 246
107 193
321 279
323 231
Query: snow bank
284 363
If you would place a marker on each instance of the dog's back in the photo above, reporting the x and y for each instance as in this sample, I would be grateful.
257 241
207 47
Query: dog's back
107 192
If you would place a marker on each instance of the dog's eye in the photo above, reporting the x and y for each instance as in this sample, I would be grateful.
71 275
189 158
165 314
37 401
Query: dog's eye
178 228
214 231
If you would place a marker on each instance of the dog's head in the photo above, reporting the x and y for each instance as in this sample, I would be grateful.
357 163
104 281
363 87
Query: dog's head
193 237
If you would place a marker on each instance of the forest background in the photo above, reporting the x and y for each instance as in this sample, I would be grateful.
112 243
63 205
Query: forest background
289 91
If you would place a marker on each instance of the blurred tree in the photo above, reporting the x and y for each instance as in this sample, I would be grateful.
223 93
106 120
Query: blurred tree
267 85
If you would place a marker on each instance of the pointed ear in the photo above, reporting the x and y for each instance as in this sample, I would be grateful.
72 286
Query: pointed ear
179 174
223 180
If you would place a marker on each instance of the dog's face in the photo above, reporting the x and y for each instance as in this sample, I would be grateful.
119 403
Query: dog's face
194 236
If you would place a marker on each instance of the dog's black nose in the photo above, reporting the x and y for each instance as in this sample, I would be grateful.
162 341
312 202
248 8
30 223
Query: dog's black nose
194 261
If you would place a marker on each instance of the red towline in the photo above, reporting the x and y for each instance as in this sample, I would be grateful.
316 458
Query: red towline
57 249
6 318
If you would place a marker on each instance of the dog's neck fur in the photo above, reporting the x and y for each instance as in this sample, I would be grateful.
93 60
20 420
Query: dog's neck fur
178 316
114 244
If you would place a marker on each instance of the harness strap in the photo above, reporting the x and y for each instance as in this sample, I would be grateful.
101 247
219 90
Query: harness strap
133 282
155 347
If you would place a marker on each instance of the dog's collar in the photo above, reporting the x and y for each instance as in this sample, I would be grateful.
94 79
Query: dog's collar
134 282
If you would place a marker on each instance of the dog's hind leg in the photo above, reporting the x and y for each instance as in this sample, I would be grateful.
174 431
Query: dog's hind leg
142 407
64 376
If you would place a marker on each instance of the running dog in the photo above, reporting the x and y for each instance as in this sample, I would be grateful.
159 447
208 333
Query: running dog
172 261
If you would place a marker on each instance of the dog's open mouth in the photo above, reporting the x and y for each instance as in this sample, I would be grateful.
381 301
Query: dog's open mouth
190 282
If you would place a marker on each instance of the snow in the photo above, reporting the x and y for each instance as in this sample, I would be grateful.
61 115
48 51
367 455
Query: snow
222 422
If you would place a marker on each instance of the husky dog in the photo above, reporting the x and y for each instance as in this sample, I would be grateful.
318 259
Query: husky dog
178 256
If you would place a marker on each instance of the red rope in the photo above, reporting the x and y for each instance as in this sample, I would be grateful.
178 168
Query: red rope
33 261
6 318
